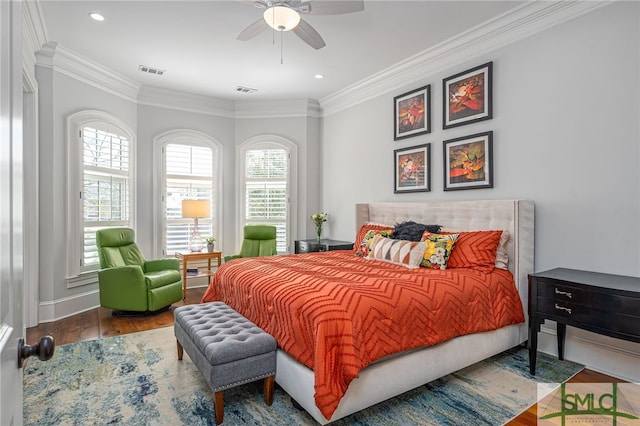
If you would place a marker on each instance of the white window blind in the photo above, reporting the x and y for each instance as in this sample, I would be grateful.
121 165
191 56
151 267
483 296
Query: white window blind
106 187
266 191
188 175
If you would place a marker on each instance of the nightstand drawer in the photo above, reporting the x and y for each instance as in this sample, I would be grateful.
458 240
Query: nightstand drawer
311 246
302 246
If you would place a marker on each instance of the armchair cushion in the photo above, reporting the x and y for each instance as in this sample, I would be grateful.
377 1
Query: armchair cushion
157 279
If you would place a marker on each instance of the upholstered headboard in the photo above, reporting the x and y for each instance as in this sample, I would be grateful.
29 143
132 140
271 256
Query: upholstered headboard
516 216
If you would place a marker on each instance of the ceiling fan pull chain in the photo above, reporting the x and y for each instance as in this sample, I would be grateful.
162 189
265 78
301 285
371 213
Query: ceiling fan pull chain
281 47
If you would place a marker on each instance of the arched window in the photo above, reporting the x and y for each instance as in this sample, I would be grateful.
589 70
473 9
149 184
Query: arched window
190 170
101 183
267 181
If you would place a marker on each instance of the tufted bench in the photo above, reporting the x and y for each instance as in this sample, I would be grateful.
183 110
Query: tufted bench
228 349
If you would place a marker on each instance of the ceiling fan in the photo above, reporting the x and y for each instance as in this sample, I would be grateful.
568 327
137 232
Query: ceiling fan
284 15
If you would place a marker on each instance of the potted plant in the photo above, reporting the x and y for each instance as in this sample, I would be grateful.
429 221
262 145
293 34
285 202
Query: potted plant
210 245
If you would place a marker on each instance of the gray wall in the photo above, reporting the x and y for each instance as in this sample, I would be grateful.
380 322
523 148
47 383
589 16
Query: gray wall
153 121
566 136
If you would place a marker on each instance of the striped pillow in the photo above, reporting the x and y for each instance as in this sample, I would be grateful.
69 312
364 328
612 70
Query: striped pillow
399 252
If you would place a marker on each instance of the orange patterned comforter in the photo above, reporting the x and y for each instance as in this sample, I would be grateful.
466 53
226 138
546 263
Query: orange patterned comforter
336 313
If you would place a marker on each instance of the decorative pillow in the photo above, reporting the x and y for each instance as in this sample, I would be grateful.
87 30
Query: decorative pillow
399 252
363 243
412 231
476 249
367 241
439 247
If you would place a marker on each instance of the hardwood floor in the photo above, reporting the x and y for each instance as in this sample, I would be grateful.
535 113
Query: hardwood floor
99 322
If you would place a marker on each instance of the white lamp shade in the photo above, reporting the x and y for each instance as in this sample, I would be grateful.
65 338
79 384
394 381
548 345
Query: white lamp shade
281 18
196 208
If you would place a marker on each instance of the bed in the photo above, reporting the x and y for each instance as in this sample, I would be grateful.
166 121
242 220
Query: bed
262 290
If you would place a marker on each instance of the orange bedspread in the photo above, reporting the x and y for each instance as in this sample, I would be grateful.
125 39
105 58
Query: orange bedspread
337 313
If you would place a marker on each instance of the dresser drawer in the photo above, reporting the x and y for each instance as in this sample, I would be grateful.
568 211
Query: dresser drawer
552 289
598 319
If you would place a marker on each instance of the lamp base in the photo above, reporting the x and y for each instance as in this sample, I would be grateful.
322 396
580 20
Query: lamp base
195 242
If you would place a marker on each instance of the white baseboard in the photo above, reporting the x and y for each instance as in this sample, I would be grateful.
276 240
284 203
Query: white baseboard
82 302
62 308
614 357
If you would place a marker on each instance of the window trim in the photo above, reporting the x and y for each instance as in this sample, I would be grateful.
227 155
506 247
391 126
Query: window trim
267 141
75 123
186 137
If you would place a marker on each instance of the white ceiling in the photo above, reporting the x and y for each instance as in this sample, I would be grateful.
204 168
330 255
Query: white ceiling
195 42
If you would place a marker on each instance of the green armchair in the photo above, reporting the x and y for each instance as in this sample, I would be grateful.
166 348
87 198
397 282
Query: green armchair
129 283
259 240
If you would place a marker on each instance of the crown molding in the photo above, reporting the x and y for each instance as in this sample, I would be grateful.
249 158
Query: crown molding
182 101
516 24
64 61
34 32
308 108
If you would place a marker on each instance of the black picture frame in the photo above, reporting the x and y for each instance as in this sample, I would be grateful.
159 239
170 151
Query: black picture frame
467 97
412 169
412 113
468 162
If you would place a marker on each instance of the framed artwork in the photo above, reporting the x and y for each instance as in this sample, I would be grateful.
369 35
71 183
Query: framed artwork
412 113
412 169
468 162
467 97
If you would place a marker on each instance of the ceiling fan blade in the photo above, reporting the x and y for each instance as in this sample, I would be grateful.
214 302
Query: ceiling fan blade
309 35
253 30
321 7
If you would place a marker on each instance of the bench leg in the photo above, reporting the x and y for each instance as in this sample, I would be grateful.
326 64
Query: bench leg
180 350
269 384
219 407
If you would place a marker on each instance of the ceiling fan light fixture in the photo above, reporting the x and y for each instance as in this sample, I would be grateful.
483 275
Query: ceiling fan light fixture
281 18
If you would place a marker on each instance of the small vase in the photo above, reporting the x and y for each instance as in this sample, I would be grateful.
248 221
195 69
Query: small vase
318 232
210 247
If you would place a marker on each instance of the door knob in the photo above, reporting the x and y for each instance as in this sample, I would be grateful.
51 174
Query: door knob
44 349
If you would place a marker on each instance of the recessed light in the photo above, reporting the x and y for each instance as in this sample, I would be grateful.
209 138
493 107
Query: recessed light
96 16
319 76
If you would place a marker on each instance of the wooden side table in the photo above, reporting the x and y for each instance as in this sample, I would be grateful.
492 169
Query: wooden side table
189 256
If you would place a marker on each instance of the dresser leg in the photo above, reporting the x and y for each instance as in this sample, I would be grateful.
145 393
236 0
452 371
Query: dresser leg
533 346
561 330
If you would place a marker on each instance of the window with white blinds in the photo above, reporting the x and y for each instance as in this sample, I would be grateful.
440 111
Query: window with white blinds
106 187
189 171
266 176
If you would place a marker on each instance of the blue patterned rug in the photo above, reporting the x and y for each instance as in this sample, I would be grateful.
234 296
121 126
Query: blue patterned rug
136 379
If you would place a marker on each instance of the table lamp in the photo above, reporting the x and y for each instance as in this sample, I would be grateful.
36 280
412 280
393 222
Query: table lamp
196 209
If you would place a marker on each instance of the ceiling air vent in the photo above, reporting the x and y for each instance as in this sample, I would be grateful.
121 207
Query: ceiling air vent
150 70
243 89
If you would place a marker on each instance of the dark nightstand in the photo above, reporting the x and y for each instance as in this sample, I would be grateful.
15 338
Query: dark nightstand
601 303
310 246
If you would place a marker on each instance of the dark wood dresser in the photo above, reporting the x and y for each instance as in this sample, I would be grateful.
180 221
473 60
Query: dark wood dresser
310 246
601 303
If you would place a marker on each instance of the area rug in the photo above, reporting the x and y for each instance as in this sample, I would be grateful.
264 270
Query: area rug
136 379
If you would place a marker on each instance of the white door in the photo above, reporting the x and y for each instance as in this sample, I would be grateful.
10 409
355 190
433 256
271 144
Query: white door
11 320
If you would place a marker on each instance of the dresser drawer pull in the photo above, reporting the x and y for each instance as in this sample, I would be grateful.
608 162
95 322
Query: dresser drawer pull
562 308
564 293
